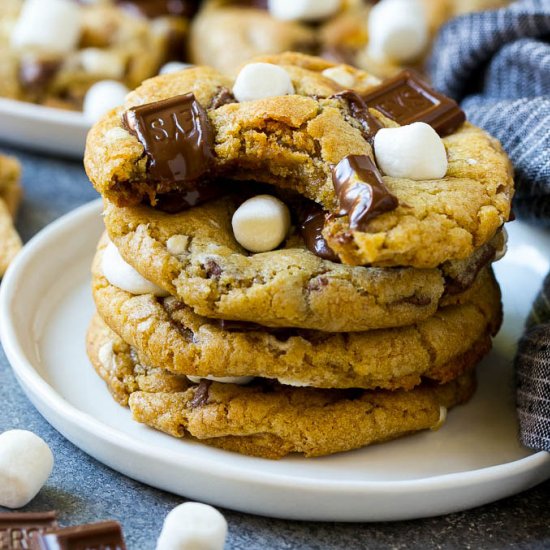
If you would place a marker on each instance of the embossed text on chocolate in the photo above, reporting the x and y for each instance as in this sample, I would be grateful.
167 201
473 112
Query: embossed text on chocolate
17 528
406 98
176 136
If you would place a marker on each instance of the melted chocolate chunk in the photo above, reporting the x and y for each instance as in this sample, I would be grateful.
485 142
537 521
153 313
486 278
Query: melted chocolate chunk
406 98
176 136
360 111
201 394
213 270
312 221
360 190
18 528
177 201
160 8
95 536
222 97
481 258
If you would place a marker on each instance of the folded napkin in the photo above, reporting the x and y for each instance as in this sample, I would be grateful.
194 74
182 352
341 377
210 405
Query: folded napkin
497 64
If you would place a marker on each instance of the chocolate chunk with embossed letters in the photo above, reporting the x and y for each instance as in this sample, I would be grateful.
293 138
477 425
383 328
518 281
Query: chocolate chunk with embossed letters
176 135
406 98
106 535
17 528
360 111
360 190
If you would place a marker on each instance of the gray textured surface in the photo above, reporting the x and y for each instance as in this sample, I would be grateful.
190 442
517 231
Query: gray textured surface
83 490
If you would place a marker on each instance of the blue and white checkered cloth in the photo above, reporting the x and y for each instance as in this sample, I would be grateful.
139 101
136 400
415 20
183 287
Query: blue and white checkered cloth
497 64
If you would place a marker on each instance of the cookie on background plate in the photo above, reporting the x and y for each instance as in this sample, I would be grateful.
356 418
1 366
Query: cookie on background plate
10 197
267 419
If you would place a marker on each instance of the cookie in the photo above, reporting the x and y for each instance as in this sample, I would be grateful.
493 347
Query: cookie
288 287
10 197
267 419
225 34
168 334
115 42
294 142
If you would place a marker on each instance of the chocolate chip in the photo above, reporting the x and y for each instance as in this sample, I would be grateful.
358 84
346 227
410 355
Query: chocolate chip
160 8
223 97
178 201
176 136
407 98
36 74
361 192
213 270
201 394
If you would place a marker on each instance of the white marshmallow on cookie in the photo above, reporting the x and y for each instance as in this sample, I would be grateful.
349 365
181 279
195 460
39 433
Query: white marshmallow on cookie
303 10
53 26
239 380
174 67
414 152
193 526
26 462
398 31
341 75
261 80
124 276
261 223
102 97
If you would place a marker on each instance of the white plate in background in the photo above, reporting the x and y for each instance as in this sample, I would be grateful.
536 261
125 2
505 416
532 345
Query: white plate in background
45 306
43 129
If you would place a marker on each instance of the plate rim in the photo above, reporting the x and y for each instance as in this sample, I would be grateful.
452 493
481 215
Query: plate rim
33 384
35 112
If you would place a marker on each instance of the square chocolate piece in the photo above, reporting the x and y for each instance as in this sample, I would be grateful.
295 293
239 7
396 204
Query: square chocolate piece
407 98
176 136
96 536
17 528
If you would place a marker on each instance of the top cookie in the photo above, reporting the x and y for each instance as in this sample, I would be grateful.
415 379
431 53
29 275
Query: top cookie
298 142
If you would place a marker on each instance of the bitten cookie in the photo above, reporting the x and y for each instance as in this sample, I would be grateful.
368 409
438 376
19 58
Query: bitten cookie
267 419
317 143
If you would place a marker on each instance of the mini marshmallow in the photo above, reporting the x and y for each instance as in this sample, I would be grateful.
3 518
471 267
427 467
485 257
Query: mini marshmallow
102 62
261 223
50 25
239 380
442 418
124 276
260 80
398 30
303 10
26 462
501 252
177 244
415 152
193 526
340 75
102 97
174 67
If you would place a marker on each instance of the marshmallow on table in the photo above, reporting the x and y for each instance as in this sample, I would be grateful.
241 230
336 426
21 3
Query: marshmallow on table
26 462
398 30
193 526
239 380
415 152
303 10
102 97
50 25
174 67
260 80
261 223
124 276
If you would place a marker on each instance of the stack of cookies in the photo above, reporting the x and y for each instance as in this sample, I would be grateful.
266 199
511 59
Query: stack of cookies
291 265
10 197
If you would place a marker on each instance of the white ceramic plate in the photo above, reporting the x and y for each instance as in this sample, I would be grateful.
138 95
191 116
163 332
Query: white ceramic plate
475 458
42 128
